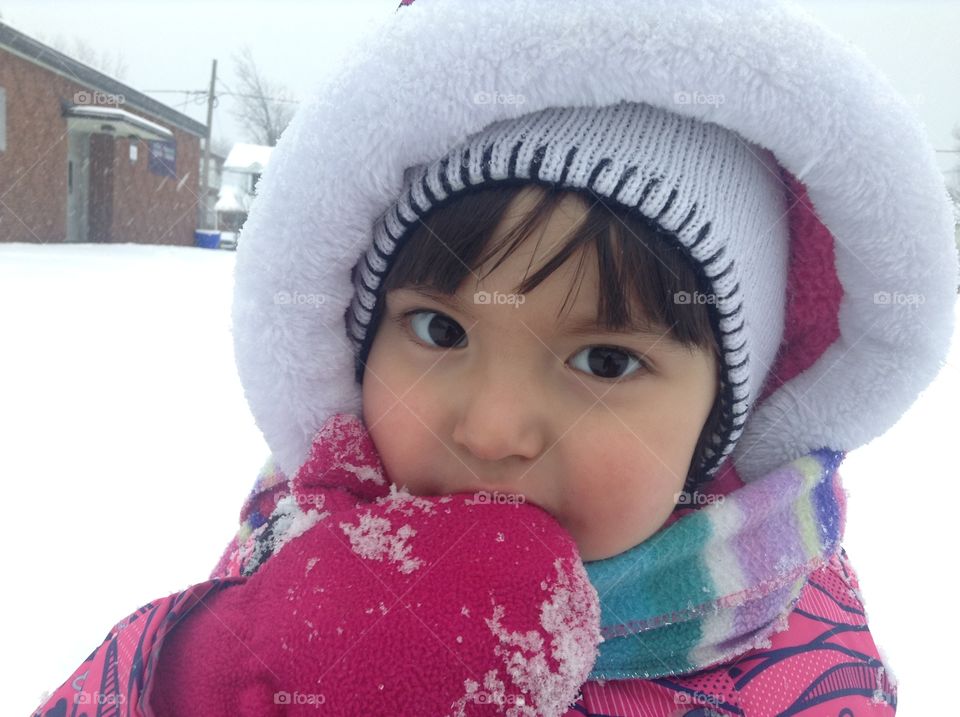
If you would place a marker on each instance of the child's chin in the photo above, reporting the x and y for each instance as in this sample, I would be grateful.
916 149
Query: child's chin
592 552
588 554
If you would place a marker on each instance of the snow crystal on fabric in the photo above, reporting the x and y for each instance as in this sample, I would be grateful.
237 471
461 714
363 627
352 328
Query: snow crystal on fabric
292 521
570 617
373 540
494 692
345 434
400 499
365 473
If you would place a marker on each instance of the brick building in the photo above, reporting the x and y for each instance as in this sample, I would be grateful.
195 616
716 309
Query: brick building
86 158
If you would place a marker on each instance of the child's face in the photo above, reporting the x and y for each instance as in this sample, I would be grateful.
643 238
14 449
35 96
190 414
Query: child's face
517 405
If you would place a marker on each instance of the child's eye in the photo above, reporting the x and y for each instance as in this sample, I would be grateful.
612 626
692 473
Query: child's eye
606 362
440 331
436 329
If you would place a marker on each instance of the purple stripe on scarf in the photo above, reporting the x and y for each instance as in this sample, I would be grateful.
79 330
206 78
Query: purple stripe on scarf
785 534
773 496
756 614
828 498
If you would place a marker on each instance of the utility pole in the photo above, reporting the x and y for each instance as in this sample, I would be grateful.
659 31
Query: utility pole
205 179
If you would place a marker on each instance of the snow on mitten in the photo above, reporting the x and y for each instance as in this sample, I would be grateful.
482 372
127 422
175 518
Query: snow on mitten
408 605
343 462
343 470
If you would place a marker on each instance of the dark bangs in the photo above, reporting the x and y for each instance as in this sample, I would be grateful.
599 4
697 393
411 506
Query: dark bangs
641 269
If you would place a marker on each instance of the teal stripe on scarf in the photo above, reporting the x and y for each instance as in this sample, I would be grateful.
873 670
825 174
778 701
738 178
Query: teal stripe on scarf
659 569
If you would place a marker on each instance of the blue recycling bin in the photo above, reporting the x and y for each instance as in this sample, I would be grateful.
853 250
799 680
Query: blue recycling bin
206 239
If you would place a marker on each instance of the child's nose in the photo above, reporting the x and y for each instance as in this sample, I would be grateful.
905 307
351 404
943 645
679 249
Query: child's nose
492 445
498 422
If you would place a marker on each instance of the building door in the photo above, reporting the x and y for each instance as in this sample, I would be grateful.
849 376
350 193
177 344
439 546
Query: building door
78 186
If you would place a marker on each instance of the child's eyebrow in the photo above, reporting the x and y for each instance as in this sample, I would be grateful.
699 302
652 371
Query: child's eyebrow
637 327
451 300
587 325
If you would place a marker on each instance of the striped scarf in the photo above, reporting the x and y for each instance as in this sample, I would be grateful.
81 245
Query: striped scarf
721 579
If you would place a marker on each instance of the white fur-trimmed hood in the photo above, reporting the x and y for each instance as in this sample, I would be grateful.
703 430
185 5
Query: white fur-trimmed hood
440 70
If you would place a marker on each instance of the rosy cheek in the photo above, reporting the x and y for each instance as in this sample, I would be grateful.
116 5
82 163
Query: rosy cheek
403 442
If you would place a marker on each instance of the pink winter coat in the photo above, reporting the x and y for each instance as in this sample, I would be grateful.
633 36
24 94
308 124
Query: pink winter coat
825 663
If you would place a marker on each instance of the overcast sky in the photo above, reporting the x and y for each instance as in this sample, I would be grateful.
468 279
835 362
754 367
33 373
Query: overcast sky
170 45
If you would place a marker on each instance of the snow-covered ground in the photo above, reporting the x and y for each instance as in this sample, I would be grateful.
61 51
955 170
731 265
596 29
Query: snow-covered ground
127 442
129 449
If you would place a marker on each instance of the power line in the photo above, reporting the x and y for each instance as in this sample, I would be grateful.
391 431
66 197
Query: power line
192 92
260 97
229 92
226 94
228 88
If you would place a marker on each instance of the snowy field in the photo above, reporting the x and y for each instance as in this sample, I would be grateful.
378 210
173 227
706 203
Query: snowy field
129 450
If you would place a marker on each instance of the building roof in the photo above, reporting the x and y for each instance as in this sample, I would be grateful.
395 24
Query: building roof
92 116
25 46
251 158
233 199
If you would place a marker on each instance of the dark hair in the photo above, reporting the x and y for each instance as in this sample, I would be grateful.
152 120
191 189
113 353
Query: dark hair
640 265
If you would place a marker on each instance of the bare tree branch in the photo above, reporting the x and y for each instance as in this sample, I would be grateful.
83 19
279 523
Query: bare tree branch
263 108
113 65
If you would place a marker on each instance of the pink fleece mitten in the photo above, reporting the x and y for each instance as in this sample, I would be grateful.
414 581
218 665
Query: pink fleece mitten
403 605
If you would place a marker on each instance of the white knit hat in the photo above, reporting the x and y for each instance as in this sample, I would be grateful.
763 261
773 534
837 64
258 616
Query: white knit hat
721 197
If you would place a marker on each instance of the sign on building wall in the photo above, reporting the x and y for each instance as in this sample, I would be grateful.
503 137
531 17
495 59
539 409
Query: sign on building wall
163 158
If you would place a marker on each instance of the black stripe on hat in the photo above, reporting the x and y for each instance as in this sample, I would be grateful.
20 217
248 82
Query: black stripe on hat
566 164
601 165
